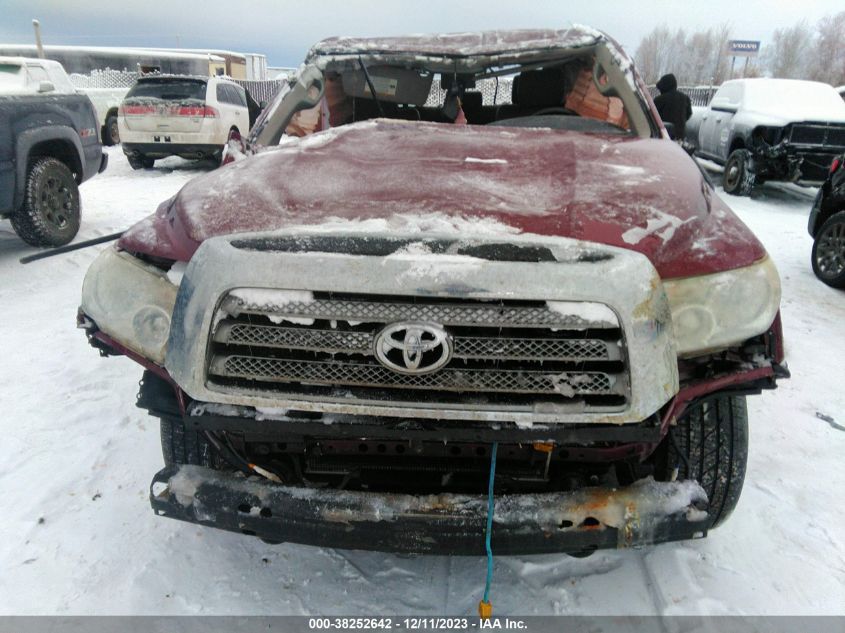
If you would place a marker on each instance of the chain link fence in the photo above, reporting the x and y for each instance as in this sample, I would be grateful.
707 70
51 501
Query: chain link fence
115 79
105 79
698 95
495 91
260 90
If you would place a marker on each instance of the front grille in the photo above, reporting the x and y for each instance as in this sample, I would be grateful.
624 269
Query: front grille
519 353
369 375
818 134
502 314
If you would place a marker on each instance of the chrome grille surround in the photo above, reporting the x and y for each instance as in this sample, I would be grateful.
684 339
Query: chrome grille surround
239 353
492 296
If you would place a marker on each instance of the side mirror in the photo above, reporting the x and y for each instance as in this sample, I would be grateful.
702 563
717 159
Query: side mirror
46 86
670 127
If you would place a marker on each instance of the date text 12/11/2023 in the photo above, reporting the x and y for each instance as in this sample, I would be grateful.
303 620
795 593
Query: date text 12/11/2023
416 623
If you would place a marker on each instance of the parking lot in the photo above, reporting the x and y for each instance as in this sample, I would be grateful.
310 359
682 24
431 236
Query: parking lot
78 536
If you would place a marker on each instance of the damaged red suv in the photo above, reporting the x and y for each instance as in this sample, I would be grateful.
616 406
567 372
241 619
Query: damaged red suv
446 262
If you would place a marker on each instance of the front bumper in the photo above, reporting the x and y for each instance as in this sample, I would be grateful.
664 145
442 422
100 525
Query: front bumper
579 522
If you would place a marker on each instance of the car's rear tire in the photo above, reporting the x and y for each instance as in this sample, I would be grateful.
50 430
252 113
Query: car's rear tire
710 445
49 215
111 133
738 178
828 256
140 162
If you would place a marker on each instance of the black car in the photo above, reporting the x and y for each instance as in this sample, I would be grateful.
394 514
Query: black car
827 226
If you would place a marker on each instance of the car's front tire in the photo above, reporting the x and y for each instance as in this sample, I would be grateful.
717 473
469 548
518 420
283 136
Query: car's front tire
828 255
180 445
738 178
710 445
49 215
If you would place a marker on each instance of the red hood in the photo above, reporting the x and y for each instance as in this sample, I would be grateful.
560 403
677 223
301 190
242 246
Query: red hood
646 195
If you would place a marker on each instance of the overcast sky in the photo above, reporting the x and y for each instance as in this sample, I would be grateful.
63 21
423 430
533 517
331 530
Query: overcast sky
284 30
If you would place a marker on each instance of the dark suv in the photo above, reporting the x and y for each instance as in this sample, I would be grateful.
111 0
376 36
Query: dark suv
827 226
48 146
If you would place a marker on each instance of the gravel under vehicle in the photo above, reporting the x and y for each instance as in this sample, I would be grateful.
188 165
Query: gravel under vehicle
448 254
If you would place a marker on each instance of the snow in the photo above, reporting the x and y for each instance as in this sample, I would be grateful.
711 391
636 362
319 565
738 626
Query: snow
176 272
793 100
76 458
270 300
489 161
589 312
661 224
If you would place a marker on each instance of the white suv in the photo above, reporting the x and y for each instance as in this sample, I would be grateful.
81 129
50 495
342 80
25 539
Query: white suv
191 117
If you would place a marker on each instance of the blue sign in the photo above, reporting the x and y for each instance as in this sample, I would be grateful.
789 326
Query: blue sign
743 48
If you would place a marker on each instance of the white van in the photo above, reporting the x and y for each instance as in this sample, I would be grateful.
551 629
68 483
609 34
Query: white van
191 117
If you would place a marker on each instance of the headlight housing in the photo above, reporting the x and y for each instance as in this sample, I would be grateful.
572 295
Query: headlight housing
712 312
130 301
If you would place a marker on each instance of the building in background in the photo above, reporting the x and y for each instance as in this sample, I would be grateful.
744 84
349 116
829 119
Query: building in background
85 59
182 61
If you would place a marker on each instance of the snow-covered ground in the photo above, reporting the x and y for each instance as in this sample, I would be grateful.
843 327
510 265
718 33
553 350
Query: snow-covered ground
77 535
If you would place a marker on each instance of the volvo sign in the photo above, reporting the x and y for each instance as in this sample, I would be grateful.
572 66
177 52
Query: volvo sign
744 48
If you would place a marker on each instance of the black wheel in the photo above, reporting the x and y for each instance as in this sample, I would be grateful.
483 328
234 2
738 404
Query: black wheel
828 255
739 177
140 162
710 445
111 133
183 446
49 215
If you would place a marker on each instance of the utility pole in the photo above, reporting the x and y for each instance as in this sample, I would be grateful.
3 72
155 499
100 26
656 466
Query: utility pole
37 26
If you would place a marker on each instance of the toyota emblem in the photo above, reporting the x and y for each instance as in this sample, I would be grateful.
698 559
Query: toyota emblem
413 347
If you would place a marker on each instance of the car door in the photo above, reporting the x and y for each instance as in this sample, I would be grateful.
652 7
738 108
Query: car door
230 108
243 113
714 133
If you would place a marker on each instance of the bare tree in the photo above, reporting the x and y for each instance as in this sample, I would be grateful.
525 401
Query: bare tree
721 66
790 54
652 53
695 58
829 50
701 57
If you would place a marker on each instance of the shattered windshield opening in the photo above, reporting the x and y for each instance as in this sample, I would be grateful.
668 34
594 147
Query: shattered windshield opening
560 95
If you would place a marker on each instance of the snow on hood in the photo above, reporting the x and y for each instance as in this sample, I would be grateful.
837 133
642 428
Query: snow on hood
783 101
413 177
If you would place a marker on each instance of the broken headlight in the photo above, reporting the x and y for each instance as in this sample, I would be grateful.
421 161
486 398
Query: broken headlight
712 312
130 301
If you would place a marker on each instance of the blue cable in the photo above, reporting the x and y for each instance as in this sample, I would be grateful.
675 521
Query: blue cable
490 523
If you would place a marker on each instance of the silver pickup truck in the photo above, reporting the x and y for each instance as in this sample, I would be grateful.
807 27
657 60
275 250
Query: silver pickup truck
770 129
